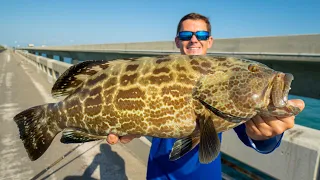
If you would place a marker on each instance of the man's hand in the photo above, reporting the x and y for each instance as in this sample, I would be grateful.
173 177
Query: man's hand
113 139
262 128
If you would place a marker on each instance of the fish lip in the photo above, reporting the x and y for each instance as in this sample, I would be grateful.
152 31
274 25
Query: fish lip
287 79
266 93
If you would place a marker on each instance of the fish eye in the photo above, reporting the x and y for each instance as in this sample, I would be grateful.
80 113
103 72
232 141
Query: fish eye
253 68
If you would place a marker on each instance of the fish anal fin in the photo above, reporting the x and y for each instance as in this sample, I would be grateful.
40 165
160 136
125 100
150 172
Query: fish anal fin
70 135
74 77
183 146
209 147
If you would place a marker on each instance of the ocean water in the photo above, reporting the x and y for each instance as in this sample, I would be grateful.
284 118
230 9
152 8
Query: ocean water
310 116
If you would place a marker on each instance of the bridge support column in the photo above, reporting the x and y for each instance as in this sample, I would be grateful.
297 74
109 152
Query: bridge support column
61 58
49 56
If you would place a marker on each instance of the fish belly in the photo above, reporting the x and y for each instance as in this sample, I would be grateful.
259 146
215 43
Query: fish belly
154 118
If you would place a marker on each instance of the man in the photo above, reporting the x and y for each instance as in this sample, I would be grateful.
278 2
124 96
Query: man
263 134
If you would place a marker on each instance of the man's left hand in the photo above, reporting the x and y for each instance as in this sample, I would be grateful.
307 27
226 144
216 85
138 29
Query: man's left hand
263 127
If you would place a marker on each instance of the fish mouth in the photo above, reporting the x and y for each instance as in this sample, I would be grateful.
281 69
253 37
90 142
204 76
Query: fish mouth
281 86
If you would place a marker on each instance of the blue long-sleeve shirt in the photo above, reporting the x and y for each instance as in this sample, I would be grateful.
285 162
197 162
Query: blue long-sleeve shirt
188 166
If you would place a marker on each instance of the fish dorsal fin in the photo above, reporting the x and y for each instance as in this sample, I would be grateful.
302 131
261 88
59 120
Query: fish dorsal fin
70 135
183 146
209 147
73 77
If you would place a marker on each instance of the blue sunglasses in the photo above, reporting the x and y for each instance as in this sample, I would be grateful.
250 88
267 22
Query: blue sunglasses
187 35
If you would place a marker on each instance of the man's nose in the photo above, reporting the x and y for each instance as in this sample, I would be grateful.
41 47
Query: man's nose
194 38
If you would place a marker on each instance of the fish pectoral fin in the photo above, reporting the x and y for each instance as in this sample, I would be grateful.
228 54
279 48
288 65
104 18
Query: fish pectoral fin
183 146
77 136
209 147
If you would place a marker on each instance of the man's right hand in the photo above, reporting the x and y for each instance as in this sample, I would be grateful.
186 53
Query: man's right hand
113 139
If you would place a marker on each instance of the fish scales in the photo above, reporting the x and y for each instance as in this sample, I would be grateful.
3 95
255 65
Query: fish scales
145 101
191 98
153 100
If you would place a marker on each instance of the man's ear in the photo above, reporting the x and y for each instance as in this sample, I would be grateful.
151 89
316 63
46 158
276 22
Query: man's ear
210 42
177 41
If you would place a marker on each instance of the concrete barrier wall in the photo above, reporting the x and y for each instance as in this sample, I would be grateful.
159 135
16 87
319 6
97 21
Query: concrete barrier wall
51 67
274 44
297 158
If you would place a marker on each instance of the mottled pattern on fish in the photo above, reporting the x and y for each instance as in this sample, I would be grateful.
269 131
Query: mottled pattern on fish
149 97
165 96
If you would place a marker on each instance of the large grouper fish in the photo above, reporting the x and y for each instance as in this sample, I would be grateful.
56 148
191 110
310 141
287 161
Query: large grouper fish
191 98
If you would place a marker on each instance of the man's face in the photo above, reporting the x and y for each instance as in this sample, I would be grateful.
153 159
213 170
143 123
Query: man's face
193 46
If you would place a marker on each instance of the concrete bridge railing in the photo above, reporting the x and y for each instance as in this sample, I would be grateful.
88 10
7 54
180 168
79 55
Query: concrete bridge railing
297 44
297 158
51 67
293 48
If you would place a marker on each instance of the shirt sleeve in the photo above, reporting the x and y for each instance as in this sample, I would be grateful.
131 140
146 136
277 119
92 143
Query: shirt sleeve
261 146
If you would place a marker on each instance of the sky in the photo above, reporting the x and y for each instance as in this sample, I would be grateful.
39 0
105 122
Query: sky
70 22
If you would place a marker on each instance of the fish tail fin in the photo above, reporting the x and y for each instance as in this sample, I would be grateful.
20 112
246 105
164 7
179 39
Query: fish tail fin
37 128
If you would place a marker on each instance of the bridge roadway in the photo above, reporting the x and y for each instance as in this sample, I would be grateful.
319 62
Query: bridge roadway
22 87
